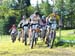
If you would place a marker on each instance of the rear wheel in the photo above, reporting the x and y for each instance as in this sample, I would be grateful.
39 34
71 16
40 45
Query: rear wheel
32 43
13 38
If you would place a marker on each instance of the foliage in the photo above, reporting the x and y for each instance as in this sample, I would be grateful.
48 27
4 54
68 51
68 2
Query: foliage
5 13
66 7
45 8
17 8
11 12
30 10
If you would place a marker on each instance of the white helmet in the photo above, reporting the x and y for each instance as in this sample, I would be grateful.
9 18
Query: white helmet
23 17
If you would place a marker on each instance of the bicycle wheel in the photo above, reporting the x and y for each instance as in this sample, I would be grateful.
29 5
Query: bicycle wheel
32 39
13 38
25 41
53 38
49 40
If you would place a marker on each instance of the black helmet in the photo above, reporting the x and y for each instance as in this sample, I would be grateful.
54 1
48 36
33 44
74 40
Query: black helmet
36 12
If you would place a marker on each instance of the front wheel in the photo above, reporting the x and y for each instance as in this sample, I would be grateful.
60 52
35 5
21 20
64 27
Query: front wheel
13 38
50 39
32 40
31 44
25 39
53 38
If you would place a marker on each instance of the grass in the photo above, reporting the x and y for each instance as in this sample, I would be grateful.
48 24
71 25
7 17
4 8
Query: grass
67 35
7 48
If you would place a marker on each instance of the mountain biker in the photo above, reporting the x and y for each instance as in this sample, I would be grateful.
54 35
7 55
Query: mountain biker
13 32
34 22
43 27
13 29
21 25
52 23
35 19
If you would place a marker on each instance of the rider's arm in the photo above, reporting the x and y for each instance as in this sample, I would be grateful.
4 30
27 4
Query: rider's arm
10 30
47 19
21 23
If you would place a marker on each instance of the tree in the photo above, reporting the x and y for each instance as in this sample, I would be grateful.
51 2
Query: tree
68 11
5 14
45 8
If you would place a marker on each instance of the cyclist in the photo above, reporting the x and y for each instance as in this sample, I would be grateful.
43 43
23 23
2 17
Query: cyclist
13 32
52 23
22 25
43 27
34 21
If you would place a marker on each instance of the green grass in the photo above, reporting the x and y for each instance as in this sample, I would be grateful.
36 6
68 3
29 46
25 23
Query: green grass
67 35
7 48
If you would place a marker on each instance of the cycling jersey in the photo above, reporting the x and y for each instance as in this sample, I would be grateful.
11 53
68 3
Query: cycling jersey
34 19
52 22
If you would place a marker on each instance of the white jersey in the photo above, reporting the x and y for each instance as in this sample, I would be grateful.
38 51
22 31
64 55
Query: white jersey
13 30
23 22
53 22
34 18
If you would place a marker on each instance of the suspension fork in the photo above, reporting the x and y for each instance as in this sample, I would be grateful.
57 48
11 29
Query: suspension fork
53 38
32 39
48 36
35 37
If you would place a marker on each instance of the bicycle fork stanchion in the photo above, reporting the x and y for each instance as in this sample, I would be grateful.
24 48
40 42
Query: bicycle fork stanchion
32 39
25 36
53 38
25 39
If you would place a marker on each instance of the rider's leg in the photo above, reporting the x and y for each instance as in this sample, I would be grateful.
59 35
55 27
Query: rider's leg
22 35
53 39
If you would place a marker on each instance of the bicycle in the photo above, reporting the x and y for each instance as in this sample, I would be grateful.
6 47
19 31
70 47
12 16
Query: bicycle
51 34
34 35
